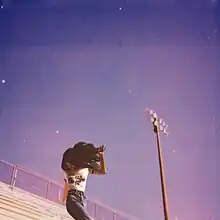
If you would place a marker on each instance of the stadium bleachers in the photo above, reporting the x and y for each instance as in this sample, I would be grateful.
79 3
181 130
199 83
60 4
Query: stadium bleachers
20 205
25 195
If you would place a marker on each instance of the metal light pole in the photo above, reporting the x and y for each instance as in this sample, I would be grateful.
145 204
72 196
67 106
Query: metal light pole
160 125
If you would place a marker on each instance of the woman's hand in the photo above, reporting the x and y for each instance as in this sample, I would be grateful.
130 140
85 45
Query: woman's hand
101 149
102 169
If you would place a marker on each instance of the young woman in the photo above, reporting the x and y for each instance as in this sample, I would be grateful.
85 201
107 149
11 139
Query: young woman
75 185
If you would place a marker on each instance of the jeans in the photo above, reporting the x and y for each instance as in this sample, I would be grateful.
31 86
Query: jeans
75 205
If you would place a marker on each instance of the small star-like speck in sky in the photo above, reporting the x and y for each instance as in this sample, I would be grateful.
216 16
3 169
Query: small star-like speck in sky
174 151
120 8
57 131
215 30
2 6
3 81
129 90
209 38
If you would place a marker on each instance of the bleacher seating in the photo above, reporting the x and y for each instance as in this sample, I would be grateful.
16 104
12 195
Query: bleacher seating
19 205
25 195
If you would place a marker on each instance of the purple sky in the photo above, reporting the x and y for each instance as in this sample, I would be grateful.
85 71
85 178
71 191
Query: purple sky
90 73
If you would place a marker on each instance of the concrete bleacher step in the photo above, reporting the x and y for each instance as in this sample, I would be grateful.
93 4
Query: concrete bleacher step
16 203
21 210
19 205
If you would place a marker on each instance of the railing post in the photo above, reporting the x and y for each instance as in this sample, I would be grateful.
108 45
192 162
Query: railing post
95 211
114 216
48 188
13 177
60 194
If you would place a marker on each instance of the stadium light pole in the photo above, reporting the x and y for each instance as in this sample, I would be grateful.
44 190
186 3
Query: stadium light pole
159 125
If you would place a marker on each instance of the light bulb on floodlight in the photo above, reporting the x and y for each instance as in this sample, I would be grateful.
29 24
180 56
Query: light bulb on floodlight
151 112
154 115
152 119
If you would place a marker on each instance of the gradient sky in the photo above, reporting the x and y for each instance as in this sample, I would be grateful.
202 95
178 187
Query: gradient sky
89 69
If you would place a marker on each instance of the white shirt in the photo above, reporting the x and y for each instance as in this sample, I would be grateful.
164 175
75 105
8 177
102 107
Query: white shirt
77 180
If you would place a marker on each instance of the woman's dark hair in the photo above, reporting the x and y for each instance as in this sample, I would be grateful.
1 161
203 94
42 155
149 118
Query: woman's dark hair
82 154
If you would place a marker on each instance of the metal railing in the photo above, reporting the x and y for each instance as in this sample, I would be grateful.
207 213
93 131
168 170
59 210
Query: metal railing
16 176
